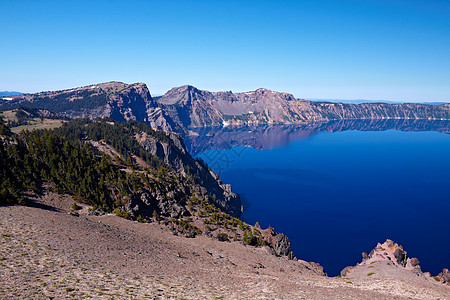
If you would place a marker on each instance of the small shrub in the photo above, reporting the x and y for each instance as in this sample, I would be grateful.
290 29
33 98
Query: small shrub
222 237
241 225
75 206
437 278
370 274
120 212
156 216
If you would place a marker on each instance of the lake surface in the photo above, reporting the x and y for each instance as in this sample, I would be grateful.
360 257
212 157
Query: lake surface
338 192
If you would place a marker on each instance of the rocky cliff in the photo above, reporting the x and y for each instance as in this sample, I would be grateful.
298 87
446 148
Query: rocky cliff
120 101
172 151
196 108
191 107
187 107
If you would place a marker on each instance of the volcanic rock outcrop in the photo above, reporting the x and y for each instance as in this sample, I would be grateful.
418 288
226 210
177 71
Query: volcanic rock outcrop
389 252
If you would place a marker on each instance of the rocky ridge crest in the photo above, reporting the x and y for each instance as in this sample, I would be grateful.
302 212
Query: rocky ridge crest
197 108
391 260
186 107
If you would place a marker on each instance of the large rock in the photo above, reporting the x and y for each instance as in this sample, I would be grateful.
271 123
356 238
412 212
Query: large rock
389 252
278 243
444 276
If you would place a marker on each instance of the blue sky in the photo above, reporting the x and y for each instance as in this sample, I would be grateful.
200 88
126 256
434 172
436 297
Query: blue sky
389 50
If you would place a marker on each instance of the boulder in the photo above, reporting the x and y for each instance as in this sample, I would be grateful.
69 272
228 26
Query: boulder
444 276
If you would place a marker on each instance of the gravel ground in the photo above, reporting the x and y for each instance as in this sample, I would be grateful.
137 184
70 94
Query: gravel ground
47 254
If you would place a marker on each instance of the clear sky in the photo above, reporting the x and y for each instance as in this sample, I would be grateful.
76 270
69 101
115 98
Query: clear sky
350 49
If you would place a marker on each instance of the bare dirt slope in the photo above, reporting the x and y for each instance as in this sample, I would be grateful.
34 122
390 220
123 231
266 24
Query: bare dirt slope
46 253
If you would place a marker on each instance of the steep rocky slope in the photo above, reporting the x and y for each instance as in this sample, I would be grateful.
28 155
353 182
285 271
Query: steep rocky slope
120 101
196 108
132 170
187 107
191 107
161 156
47 253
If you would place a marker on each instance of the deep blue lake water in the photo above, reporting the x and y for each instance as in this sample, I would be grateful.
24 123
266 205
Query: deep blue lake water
336 194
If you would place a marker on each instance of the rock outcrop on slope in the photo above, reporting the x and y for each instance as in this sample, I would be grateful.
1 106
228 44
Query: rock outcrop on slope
444 276
389 252
390 261
172 151
278 242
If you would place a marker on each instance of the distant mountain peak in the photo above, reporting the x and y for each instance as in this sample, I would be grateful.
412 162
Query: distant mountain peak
186 87
9 93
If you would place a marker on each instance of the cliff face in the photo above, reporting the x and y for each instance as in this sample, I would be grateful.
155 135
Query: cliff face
195 108
336 111
120 101
187 107
173 152
191 107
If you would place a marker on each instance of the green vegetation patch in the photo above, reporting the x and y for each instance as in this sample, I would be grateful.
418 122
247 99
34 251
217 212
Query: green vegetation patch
75 206
221 236
120 212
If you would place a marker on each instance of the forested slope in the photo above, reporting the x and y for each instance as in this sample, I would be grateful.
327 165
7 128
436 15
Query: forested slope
132 170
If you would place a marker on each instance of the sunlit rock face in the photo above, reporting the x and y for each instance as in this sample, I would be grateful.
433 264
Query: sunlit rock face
191 107
186 107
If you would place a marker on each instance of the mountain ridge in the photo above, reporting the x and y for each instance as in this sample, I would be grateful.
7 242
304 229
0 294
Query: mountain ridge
264 106
186 107
85 169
